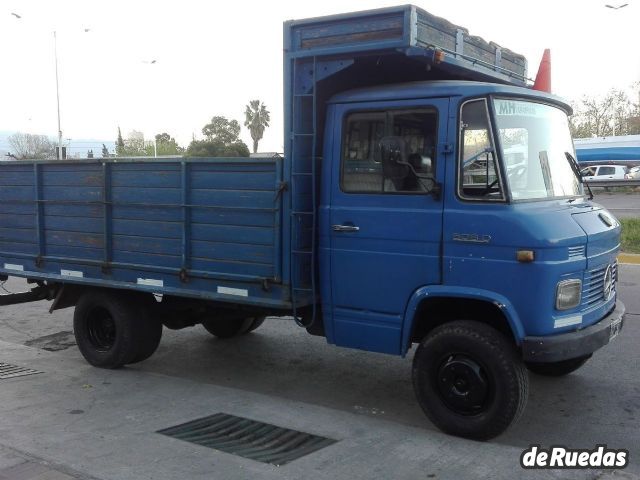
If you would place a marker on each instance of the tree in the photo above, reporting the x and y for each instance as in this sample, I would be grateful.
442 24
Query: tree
222 140
222 129
163 138
119 144
105 151
634 119
28 146
613 114
216 148
256 120
166 145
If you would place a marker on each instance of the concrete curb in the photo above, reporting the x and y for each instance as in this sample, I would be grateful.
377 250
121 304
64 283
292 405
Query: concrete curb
629 258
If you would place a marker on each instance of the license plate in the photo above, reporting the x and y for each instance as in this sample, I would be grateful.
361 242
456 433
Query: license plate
615 328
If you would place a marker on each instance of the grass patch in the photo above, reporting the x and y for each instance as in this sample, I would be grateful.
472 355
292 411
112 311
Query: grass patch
630 235
612 190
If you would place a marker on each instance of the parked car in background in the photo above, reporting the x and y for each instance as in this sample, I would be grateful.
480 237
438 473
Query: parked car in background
595 173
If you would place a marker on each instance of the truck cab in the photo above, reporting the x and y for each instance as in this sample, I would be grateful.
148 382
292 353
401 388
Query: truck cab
445 213
427 220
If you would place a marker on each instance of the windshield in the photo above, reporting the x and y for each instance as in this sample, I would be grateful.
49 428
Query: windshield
534 139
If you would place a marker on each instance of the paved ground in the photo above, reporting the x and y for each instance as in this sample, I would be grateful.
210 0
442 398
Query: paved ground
622 205
74 421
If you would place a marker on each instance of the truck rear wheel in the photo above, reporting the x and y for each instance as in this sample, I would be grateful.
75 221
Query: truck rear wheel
228 327
469 380
558 369
114 329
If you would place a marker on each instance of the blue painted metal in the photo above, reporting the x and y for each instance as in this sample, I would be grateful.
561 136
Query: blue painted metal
443 88
211 221
186 217
399 28
428 292
603 154
330 54
371 273
39 212
108 216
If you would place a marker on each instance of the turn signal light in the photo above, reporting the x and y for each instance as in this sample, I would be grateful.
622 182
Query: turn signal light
438 56
525 256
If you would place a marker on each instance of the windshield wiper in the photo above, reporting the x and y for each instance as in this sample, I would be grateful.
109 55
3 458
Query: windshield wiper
576 171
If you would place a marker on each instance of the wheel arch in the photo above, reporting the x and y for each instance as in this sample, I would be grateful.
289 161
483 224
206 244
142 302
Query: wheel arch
439 298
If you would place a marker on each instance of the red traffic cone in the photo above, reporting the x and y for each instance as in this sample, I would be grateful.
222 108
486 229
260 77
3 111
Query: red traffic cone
543 78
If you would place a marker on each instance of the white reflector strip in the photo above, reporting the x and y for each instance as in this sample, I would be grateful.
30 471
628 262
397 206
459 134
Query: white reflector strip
565 322
150 282
71 273
11 266
239 292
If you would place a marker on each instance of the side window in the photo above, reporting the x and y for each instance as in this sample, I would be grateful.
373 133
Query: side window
478 177
361 168
606 171
389 152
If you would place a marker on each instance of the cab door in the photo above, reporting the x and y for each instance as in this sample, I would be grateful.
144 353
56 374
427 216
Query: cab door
385 217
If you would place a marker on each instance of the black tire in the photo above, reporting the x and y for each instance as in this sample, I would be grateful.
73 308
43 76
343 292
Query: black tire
228 327
469 380
113 329
557 369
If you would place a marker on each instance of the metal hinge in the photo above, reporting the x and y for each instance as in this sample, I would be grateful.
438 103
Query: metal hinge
284 186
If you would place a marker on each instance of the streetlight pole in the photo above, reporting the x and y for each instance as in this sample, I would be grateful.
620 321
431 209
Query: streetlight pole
55 53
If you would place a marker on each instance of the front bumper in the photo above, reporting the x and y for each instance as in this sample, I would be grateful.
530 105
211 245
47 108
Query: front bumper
554 348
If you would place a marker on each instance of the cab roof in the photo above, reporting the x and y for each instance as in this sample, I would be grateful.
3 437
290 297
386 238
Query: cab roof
443 88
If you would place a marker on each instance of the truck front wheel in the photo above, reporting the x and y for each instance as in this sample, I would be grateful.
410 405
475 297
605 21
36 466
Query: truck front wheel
558 369
113 329
469 380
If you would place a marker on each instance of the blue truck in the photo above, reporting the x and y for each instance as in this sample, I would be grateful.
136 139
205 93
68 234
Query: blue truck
427 196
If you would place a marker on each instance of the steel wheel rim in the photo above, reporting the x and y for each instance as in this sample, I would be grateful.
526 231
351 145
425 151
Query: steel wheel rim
101 329
463 384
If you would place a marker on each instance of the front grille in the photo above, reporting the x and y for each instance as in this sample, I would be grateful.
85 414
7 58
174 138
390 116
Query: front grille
576 252
593 285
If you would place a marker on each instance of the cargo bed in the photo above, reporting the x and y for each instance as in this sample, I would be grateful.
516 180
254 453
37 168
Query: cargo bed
207 228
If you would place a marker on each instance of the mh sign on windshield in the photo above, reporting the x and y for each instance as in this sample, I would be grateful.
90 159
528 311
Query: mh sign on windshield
523 109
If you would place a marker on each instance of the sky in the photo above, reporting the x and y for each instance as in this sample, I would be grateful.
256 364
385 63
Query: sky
212 57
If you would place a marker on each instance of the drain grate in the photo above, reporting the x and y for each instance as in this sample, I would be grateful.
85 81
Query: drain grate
248 438
11 371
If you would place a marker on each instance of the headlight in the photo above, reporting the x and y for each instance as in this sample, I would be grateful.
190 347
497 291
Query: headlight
568 294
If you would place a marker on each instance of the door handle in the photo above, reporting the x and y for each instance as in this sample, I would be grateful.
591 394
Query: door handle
345 228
